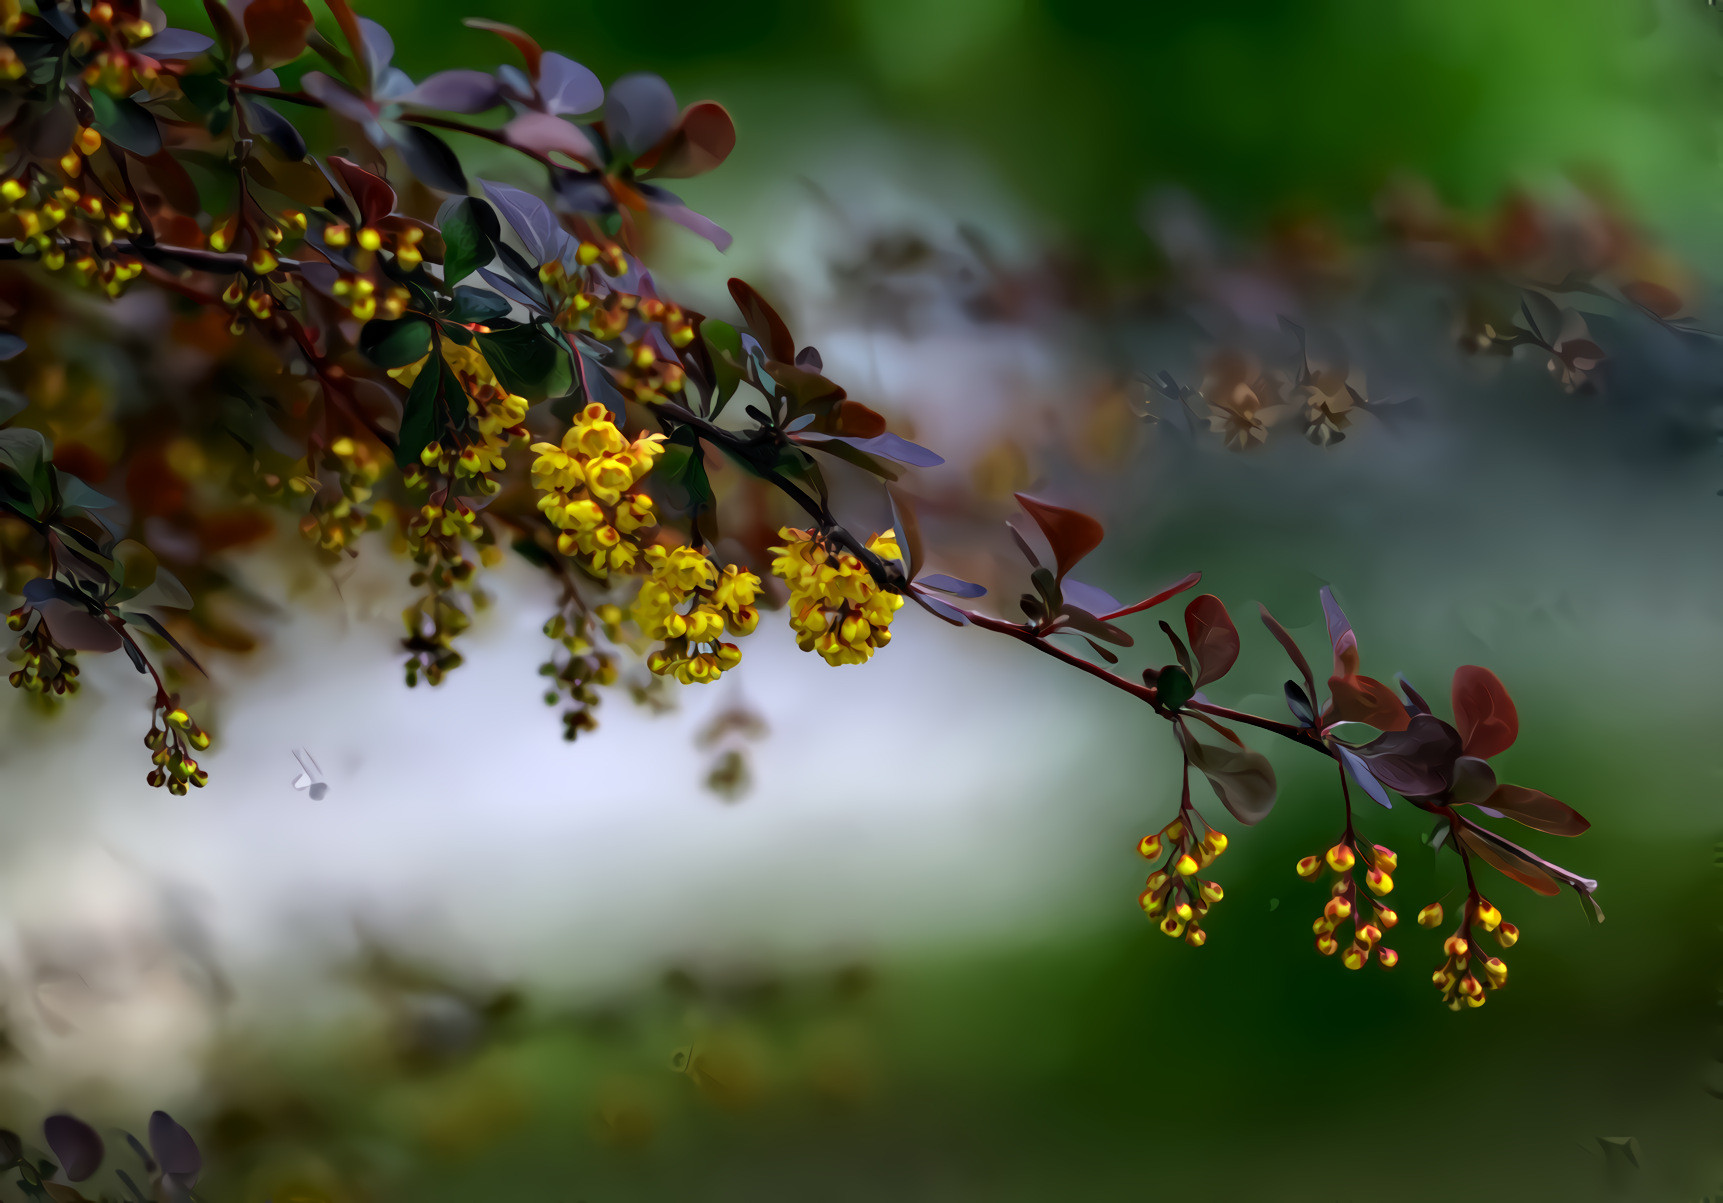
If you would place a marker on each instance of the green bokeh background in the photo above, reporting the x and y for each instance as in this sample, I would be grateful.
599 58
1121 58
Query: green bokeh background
1090 1059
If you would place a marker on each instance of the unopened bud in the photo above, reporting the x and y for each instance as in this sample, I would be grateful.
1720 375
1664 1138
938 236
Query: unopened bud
1309 867
1430 916
1149 847
1341 858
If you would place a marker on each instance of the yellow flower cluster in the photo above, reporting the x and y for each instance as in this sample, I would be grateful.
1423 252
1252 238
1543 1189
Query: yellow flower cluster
717 603
836 608
1174 891
58 224
1455 978
1346 903
591 490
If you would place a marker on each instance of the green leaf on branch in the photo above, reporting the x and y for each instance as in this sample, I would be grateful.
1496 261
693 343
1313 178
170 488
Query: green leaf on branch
724 345
395 344
125 123
470 230
1176 687
528 361
425 414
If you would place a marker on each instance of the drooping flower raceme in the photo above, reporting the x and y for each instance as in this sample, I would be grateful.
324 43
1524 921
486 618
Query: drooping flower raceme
688 604
836 607
591 494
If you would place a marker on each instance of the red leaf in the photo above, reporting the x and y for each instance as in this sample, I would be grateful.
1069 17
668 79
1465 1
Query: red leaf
1511 863
1071 533
763 322
1483 712
1360 699
701 141
1214 639
1664 302
276 31
1285 639
1537 810
858 421
1172 590
518 38
375 198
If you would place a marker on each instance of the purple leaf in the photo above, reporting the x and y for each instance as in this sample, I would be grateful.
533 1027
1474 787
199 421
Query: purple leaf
548 134
951 585
1363 776
430 158
173 1146
529 217
459 91
638 112
567 87
1338 625
1095 600
674 210
1417 761
378 49
895 447
338 98
176 43
75 1143
75 627
939 609
1242 779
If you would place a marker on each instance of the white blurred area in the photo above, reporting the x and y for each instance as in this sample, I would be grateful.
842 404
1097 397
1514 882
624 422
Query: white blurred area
902 802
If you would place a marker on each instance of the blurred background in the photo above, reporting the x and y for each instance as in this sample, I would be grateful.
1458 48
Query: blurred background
904 960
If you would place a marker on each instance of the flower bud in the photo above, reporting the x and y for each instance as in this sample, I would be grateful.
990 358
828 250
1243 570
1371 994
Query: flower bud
1341 858
1211 891
1174 830
1337 910
1388 957
1379 882
1322 926
1384 858
1215 842
1507 934
1147 900
1183 911
1369 934
1430 916
1309 867
1173 926
1187 865
1496 970
1385 917
1487 915
1455 946
1354 957
1149 847
1327 945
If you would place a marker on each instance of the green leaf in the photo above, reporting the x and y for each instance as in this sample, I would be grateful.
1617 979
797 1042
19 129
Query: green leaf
1176 687
724 344
528 360
125 123
395 344
423 415
476 306
30 456
470 231
683 465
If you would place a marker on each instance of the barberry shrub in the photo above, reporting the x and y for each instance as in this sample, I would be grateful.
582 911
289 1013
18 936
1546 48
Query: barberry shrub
484 370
